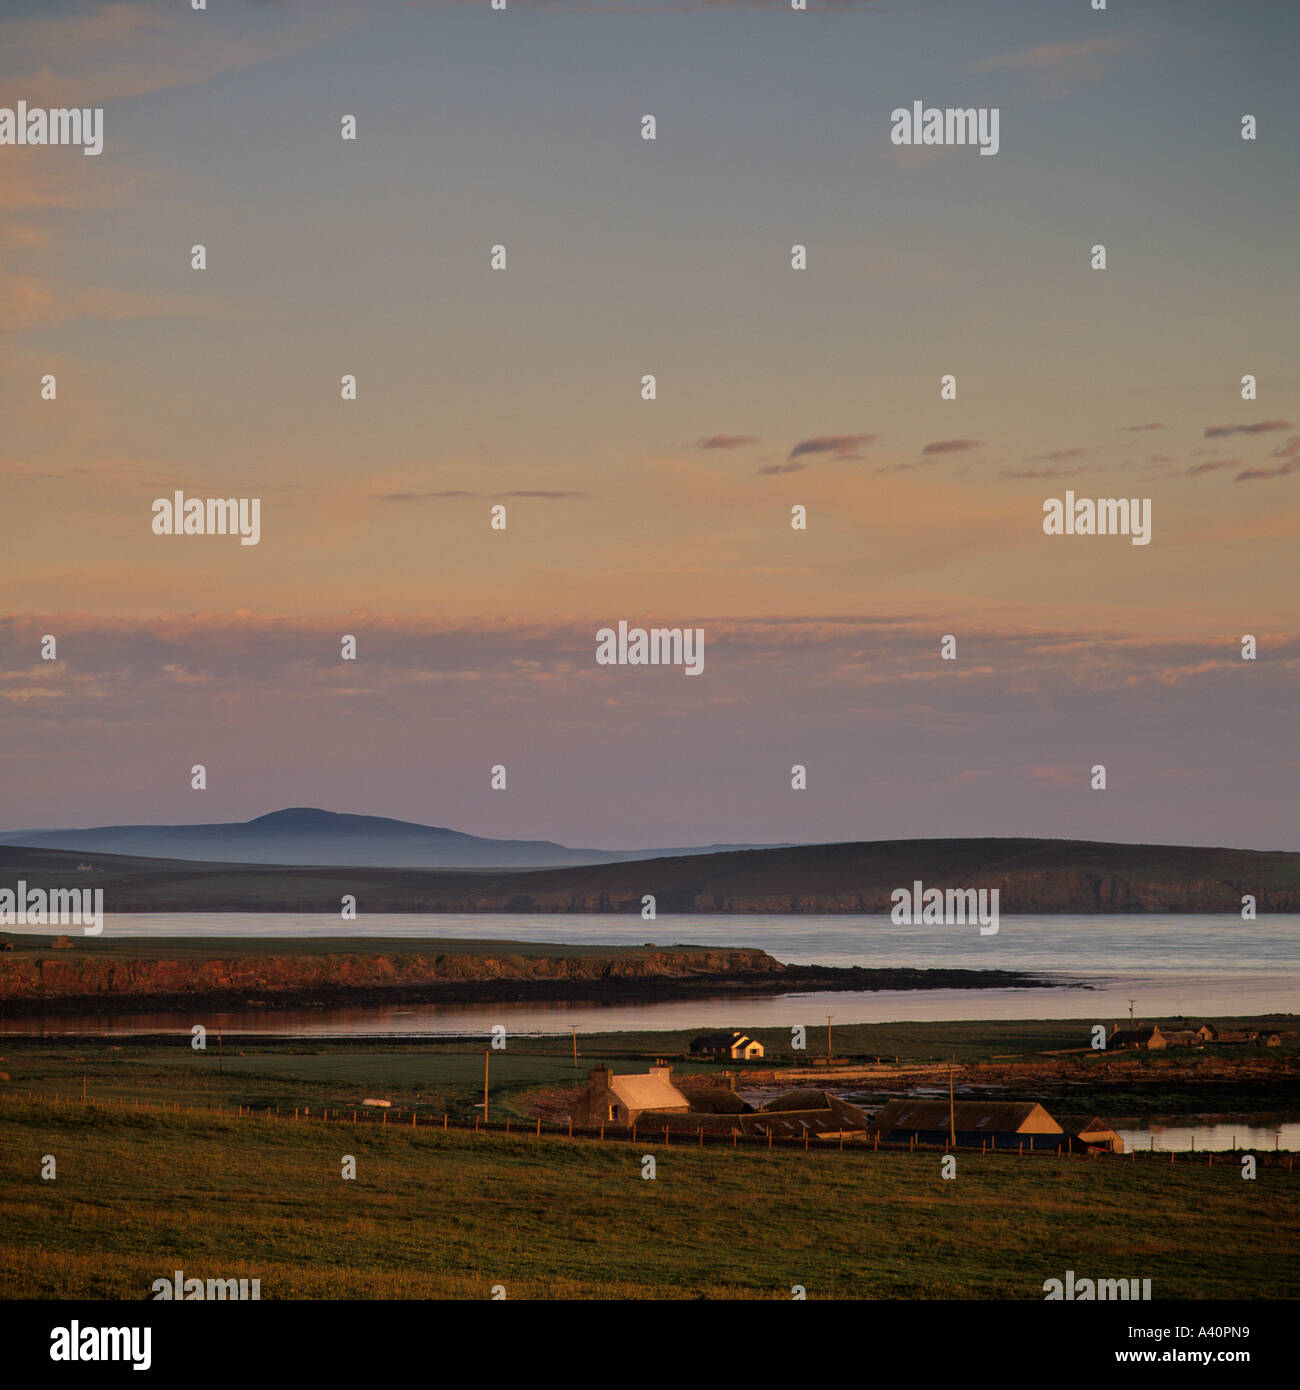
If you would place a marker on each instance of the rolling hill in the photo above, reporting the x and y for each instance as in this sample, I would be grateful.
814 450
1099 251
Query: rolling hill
1032 875
306 835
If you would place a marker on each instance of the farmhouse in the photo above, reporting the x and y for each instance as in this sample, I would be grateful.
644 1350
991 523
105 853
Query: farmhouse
1150 1038
818 1114
623 1100
999 1124
740 1047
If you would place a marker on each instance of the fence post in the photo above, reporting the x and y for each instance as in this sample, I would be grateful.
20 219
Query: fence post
539 1126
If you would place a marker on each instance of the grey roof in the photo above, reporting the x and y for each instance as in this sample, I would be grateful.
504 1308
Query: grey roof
968 1116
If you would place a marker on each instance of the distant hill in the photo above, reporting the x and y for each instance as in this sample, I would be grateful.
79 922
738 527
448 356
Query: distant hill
305 835
1031 876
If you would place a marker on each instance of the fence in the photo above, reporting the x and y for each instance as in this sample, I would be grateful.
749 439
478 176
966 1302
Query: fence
641 1133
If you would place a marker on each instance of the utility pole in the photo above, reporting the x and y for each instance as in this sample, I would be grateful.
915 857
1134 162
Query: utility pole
221 1056
574 1026
487 1057
829 1052
1131 1002
952 1113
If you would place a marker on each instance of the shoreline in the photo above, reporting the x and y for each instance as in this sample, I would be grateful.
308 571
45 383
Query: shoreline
487 989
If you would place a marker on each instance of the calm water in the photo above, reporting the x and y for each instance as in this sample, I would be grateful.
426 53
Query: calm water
1170 965
1216 1136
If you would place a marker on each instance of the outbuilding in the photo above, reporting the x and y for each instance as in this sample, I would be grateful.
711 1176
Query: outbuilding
1150 1038
996 1124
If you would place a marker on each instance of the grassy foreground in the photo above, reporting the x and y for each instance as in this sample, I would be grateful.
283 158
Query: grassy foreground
433 1215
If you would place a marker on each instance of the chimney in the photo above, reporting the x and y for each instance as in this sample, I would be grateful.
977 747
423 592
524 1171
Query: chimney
663 1069
598 1076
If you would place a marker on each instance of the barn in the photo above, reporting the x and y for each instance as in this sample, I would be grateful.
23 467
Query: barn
999 1124
817 1114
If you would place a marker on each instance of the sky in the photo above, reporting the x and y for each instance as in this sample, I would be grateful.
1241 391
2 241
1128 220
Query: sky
775 388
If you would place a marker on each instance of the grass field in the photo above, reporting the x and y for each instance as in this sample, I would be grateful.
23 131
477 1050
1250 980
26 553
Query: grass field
139 1195
448 1075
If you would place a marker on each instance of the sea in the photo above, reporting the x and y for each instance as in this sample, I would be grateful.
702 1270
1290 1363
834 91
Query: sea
1098 969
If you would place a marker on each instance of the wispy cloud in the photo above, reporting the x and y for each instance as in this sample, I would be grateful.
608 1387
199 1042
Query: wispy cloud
547 494
727 441
1082 58
1289 453
1057 456
951 446
1210 466
1261 427
837 445
1043 472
